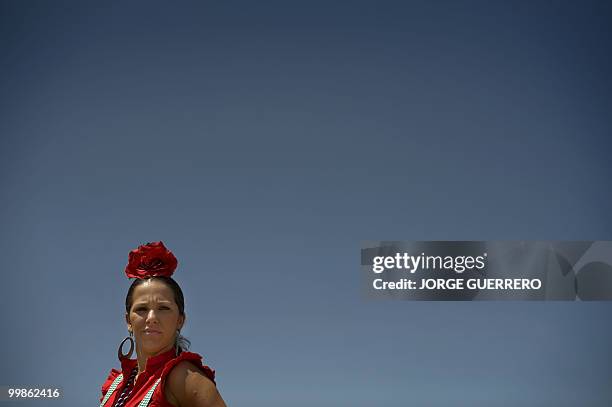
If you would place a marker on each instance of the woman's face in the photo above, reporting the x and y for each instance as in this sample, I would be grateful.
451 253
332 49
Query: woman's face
154 317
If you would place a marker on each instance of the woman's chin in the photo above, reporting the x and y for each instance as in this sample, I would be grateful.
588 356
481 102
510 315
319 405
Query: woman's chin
152 346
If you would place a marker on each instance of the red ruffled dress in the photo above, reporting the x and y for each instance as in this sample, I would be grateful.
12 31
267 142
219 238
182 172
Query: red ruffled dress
153 378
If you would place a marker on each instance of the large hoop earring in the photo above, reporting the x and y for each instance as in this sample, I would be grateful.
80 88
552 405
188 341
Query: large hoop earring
120 354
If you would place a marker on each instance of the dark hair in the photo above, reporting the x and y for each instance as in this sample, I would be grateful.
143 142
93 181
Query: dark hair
182 342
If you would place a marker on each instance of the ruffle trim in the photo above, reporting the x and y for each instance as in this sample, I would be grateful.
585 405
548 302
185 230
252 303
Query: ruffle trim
109 380
190 357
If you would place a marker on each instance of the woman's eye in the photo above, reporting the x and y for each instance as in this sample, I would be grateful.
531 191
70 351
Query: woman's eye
164 308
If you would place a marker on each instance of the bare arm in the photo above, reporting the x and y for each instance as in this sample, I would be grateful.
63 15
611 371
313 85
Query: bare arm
187 386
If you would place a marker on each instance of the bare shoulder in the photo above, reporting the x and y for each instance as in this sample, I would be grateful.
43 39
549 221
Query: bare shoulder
187 386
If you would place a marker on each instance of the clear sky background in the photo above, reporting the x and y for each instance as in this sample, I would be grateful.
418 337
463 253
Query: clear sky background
262 141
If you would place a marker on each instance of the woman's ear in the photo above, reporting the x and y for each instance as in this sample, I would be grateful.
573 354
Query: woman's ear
127 321
182 319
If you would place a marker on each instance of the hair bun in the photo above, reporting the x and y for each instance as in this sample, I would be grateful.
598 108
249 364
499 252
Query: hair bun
151 260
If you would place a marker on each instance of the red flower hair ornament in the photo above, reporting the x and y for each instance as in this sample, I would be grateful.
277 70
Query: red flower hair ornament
151 260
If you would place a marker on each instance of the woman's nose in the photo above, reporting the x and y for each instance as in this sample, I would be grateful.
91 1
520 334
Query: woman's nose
151 316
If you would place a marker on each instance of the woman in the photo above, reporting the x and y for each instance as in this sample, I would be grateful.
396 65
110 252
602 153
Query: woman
163 374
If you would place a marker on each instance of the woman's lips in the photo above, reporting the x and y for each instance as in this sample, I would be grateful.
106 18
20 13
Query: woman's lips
152 332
